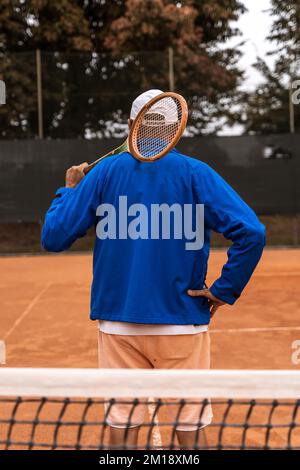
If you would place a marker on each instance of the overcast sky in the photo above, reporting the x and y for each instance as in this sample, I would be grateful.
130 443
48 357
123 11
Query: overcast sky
255 27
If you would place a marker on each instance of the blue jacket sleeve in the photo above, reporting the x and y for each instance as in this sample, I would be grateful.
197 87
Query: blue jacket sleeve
226 213
72 212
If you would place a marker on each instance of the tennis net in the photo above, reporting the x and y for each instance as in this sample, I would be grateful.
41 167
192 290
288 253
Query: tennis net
101 408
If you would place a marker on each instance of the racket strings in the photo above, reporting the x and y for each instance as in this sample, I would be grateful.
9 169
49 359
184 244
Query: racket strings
159 127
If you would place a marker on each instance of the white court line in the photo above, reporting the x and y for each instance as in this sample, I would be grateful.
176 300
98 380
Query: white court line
26 311
2 352
156 434
256 330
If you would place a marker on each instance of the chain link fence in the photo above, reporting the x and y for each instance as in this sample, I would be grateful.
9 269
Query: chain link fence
73 95
89 95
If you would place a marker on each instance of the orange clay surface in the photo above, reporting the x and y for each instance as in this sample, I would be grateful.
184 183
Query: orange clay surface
45 316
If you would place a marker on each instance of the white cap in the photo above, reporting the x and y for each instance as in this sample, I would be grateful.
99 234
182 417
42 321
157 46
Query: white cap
141 100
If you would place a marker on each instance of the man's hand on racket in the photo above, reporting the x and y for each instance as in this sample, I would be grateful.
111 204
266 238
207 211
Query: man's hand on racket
75 174
213 302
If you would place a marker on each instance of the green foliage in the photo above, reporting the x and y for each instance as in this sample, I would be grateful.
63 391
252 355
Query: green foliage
98 55
267 109
25 26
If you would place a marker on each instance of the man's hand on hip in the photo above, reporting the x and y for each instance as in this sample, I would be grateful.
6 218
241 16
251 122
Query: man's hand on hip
214 303
74 175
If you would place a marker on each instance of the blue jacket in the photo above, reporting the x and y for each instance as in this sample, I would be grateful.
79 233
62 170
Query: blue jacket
145 280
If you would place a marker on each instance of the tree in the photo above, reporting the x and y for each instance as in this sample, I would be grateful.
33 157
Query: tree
24 27
18 89
267 108
285 32
98 55
206 72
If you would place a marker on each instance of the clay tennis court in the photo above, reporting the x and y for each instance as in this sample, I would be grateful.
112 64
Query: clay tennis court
45 323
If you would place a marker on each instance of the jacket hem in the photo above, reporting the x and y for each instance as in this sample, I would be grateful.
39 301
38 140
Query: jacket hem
151 319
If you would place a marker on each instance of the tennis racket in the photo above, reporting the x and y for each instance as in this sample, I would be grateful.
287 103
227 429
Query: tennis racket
158 127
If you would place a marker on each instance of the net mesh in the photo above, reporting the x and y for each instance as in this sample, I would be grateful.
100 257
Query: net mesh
69 422
158 127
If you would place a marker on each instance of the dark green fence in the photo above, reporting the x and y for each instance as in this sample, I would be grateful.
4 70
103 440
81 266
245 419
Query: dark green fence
31 170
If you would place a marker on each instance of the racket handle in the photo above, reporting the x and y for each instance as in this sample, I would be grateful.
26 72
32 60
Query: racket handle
112 152
90 166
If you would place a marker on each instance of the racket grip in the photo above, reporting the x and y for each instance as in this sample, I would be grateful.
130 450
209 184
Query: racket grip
113 152
90 167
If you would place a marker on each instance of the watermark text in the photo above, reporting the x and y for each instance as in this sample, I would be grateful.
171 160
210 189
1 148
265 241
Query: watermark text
157 222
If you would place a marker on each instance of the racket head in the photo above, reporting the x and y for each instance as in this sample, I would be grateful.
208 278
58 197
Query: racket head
158 127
